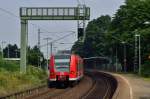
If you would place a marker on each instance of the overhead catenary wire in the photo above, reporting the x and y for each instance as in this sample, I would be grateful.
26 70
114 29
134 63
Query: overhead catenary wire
58 39
14 15
54 32
35 25
63 37
8 12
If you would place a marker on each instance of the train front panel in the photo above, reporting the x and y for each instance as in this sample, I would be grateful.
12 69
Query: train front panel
59 68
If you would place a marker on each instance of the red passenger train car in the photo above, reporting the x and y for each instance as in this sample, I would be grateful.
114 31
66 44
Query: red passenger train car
65 68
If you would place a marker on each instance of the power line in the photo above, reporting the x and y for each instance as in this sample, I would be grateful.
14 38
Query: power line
35 25
8 12
54 32
58 39
57 32
12 14
63 37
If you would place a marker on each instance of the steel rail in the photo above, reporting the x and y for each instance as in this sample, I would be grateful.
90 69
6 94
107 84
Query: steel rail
109 86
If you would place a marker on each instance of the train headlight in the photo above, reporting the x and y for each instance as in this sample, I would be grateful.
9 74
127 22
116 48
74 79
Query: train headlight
52 73
72 72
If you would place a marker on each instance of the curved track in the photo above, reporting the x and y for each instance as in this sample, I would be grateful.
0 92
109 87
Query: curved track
103 88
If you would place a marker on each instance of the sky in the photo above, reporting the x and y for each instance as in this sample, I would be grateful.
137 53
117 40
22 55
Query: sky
10 24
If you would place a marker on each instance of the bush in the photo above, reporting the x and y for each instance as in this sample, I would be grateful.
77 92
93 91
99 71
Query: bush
145 70
9 65
12 80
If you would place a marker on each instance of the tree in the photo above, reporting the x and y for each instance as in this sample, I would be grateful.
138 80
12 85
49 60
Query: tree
95 40
77 48
104 35
128 20
11 51
94 44
33 56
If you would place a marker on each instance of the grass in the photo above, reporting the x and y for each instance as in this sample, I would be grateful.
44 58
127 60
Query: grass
147 79
11 80
132 74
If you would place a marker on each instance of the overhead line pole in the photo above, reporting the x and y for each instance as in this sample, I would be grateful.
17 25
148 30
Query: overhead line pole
47 51
135 57
124 52
139 55
3 48
39 56
124 60
138 39
8 51
51 45
116 59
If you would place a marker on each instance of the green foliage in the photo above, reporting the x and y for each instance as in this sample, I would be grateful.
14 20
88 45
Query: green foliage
128 20
33 56
11 51
9 65
104 36
95 38
0 54
11 81
146 69
78 48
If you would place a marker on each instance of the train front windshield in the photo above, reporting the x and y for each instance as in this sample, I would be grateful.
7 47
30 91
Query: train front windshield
62 62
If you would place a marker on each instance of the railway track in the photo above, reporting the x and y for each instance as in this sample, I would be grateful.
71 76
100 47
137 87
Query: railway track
103 87
96 85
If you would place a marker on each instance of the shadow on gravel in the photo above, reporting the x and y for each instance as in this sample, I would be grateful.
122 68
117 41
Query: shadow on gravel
145 97
58 85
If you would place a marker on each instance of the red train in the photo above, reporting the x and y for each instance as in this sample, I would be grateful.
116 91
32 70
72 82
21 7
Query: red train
65 68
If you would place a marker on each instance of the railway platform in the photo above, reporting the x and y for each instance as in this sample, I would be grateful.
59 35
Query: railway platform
133 87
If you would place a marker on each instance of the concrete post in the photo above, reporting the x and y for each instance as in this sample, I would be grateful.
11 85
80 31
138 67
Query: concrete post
116 60
23 44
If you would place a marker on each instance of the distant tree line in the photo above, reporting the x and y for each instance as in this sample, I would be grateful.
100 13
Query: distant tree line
34 55
11 51
103 35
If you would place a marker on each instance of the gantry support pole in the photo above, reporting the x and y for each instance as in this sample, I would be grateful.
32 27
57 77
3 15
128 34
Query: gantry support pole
23 44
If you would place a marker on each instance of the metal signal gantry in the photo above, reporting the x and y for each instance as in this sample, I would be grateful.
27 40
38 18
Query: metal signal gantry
55 13
47 13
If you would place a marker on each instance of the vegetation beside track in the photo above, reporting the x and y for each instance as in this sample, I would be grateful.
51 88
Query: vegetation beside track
11 80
